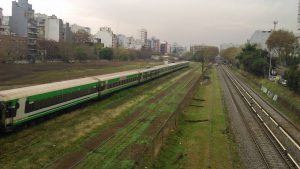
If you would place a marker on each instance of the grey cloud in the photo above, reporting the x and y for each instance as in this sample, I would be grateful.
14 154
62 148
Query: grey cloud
182 21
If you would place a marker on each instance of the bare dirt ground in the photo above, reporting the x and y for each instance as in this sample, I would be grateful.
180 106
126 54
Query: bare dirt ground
18 75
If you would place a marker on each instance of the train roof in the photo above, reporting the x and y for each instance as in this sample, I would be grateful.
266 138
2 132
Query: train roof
13 94
117 75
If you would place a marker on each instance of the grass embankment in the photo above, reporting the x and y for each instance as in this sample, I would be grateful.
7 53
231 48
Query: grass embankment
290 99
18 75
41 144
202 139
113 153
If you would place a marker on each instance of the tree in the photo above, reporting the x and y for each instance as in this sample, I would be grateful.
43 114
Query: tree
205 54
293 78
106 53
81 54
81 37
51 49
283 43
254 60
231 53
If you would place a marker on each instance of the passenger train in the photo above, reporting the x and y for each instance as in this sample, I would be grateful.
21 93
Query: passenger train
18 106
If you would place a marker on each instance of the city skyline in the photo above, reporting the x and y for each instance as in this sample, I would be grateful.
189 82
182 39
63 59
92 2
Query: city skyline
186 22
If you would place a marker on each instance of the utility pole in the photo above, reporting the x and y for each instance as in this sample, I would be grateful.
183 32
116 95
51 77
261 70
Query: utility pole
275 24
270 50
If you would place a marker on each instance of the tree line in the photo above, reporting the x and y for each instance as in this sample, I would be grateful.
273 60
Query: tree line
15 48
282 51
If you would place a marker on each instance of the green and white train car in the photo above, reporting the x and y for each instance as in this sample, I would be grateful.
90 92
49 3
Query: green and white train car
18 106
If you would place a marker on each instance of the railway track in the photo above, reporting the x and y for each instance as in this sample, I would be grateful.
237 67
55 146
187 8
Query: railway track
265 129
35 137
122 139
113 146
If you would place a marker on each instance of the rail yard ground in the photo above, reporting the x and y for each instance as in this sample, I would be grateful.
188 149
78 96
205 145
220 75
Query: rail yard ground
113 130
19 75
195 124
203 138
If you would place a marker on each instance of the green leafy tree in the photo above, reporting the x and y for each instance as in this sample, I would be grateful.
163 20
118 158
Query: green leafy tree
81 54
293 78
230 54
106 53
254 60
283 43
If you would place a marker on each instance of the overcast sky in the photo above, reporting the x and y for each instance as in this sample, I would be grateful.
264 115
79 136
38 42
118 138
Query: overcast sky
186 22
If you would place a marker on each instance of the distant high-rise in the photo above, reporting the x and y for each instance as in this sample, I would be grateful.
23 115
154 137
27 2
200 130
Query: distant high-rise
23 24
299 21
22 17
143 36
1 16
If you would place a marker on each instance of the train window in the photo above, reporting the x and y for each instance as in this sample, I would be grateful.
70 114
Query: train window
37 105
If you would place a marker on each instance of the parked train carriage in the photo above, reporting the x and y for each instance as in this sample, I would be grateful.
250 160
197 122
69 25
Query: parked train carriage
21 105
24 104
117 81
157 71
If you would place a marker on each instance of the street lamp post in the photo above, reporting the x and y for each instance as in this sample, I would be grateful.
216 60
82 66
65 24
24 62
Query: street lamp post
270 50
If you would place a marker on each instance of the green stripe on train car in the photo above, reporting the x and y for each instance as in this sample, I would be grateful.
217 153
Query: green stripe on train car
12 103
118 88
60 92
113 80
29 118
132 76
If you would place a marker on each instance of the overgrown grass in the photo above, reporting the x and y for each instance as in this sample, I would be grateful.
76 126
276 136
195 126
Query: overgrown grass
205 144
292 99
132 134
66 133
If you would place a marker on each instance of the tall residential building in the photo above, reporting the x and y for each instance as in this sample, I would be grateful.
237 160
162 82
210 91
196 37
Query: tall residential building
299 21
22 18
155 45
260 38
54 29
75 28
164 48
178 49
122 41
5 28
143 36
105 36
1 16
67 34
23 24
41 21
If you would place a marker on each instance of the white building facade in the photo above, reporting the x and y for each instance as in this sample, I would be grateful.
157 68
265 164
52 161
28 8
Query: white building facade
105 36
53 28
75 28
260 38
142 36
